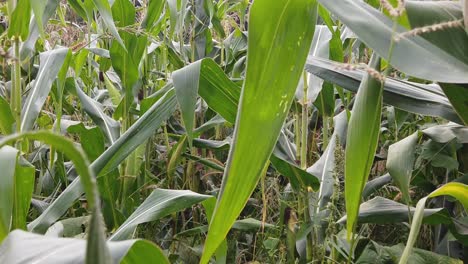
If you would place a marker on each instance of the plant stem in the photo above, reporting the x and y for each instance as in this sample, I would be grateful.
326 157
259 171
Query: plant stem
305 119
16 87
304 139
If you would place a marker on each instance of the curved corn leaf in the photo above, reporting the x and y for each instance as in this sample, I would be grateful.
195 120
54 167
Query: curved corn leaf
324 168
38 8
377 254
206 78
141 130
104 9
51 63
28 47
222 95
160 203
376 30
448 132
409 96
361 142
96 248
68 250
452 40
458 96
400 162
381 210
375 184
109 127
273 72
455 189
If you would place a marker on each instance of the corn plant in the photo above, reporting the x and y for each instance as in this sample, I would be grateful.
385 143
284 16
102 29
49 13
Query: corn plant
233 131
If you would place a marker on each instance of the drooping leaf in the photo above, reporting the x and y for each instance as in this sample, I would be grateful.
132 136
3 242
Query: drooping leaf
375 253
160 203
409 53
458 96
452 40
68 250
380 210
325 167
409 96
50 64
400 162
273 72
375 184
447 132
454 189
109 127
28 47
361 142
110 159
106 14
96 248
38 8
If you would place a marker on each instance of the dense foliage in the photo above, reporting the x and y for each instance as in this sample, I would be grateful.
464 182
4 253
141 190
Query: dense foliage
233 131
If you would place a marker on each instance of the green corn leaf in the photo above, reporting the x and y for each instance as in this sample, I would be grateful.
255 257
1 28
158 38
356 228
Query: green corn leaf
273 72
206 78
457 190
409 53
25 174
96 248
458 96
28 47
409 96
109 127
72 250
159 204
325 167
222 95
126 60
6 117
361 142
91 139
8 157
123 13
381 210
155 8
106 14
38 8
50 64
19 22
400 162
453 40
141 130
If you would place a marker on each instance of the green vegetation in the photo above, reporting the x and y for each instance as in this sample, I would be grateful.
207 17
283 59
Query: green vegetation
233 131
